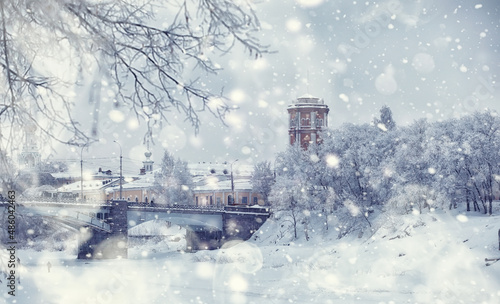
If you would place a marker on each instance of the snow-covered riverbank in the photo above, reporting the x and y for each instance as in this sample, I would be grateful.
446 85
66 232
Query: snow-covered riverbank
436 257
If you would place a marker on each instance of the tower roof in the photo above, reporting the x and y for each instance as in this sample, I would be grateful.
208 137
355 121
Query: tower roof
309 99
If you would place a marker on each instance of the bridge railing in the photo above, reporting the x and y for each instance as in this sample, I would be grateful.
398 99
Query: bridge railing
212 208
65 201
92 220
177 207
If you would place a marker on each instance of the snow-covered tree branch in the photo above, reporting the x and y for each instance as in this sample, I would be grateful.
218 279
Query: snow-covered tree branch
146 56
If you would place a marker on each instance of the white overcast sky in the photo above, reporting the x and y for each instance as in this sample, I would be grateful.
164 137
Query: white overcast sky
424 59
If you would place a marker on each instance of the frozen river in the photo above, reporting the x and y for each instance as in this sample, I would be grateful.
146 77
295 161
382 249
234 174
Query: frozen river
431 258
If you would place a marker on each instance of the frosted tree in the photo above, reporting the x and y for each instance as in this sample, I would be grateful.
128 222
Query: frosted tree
8 174
385 122
358 165
356 150
293 192
49 166
483 156
289 201
146 56
415 198
173 183
453 160
447 160
411 165
263 180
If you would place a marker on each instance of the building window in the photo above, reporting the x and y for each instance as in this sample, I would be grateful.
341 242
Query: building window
230 200
218 201
244 200
255 200
196 201
211 201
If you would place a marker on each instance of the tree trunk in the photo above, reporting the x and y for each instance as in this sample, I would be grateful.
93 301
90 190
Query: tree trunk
476 206
306 230
294 218
467 200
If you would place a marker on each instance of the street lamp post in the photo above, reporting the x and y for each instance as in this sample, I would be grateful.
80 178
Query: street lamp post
81 173
120 167
232 180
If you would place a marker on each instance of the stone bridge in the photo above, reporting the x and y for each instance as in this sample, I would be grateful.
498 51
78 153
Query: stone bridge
103 227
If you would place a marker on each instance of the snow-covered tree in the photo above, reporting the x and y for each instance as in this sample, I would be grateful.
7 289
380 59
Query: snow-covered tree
290 201
173 183
8 174
415 198
357 168
483 155
49 166
145 56
385 122
355 151
263 180
292 195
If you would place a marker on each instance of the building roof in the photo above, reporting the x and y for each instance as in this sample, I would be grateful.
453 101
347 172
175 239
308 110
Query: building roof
214 184
308 101
221 169
66 175
88 185
144 181
206 177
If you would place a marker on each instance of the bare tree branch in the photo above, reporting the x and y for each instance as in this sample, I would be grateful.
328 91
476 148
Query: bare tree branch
154 68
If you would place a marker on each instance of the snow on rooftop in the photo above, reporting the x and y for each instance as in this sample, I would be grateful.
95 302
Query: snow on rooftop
142 182
87 185
213 184
206 175
309 96
208 168
67 174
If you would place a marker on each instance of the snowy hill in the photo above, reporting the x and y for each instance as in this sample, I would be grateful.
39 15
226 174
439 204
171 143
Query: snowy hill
428 258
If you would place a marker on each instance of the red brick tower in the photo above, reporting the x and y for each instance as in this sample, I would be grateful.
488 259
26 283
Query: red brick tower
308 115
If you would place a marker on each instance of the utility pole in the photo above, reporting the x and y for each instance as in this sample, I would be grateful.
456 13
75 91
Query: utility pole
121 157
232 180
81 173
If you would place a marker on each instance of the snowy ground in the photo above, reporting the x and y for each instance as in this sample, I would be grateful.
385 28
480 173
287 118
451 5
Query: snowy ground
436 257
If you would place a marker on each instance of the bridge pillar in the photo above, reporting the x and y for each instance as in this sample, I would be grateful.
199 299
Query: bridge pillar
88 243
202 239
241 226
95 244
